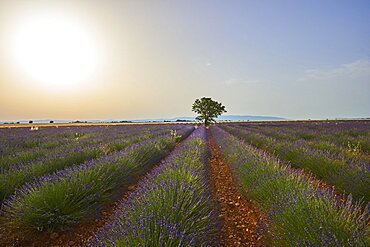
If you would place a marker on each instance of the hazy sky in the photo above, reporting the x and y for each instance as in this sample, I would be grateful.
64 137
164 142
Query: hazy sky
148 59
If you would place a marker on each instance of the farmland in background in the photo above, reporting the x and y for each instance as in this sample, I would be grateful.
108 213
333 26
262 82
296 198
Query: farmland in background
140 184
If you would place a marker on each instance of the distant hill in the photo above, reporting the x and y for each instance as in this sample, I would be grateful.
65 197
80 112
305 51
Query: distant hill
246 117
174 119
225 117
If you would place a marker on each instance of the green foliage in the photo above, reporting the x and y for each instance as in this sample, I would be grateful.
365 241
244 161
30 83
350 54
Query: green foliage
207 109
175 136
354 148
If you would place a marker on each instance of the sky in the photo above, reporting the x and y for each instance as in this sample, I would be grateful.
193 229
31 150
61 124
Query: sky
151 59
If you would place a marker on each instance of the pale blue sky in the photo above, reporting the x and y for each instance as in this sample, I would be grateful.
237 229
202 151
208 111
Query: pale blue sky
294 59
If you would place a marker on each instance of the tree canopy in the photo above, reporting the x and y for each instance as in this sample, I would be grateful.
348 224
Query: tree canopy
207 109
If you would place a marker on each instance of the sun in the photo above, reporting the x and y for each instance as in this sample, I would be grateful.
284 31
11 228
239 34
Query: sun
55 51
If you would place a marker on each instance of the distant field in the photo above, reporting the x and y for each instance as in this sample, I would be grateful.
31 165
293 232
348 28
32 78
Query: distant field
139 184
28 125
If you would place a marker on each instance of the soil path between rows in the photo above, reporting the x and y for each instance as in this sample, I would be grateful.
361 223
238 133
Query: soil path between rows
239 216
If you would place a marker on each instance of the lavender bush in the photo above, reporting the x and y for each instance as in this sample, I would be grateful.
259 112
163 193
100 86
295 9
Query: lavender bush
171 207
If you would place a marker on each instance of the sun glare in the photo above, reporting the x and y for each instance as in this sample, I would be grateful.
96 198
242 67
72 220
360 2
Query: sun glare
55 51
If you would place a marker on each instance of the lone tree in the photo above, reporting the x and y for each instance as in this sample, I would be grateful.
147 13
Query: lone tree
207 109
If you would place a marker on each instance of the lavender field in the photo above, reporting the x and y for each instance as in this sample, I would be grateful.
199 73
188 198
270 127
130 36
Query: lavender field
150 185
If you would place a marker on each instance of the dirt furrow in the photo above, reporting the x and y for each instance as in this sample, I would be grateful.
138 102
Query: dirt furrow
240 218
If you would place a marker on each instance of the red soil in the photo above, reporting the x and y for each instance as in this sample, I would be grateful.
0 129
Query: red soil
238 215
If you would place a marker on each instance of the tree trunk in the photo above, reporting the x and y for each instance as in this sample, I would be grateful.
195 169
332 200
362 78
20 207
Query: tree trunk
206 122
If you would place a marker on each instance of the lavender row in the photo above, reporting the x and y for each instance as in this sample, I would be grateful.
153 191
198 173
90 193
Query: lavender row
264 137
109 140
68 139
172 206
341 134
21 139
15 178
50 143
298 213
20 174
65 197
351 144
23 158
346 175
